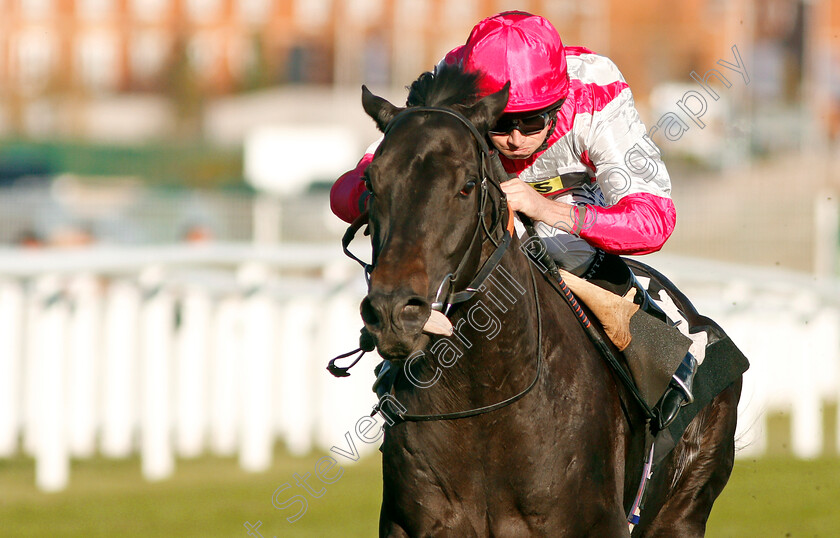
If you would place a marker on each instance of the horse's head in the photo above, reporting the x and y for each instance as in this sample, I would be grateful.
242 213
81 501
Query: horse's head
428 186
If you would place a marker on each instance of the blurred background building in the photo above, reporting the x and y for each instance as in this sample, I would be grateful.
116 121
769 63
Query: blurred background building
62 61
167 92
160 140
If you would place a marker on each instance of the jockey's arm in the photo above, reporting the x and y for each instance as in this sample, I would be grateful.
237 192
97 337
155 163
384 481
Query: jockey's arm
636 224
348 195
639 215
525 199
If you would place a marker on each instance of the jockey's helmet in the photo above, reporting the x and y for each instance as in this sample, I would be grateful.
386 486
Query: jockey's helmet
524 49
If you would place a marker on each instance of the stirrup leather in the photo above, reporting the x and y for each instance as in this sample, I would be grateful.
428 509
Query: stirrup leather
684 378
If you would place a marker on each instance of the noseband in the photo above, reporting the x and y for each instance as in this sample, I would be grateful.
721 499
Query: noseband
446 295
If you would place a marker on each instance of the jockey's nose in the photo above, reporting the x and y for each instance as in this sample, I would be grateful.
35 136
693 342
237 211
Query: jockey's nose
405 313
515 138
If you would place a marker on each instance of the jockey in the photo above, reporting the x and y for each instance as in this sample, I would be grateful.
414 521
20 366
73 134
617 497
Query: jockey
582 166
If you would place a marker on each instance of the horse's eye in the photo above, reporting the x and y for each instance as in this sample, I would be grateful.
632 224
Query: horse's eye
468 188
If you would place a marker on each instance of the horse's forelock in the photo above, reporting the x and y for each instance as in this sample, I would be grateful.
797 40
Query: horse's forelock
449 86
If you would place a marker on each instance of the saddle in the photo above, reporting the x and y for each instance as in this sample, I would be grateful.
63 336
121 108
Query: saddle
722 365
652 355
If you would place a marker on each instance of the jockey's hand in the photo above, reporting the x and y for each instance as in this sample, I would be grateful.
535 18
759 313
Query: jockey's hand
523 198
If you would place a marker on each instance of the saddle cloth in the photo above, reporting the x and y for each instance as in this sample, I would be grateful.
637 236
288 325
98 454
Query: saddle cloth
721 362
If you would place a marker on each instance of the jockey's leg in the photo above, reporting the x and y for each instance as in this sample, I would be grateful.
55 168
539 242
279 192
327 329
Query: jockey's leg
680 390
612 273
679 393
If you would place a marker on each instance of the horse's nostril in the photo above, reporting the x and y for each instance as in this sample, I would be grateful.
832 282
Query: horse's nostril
416 301
416 310
383 312
369 314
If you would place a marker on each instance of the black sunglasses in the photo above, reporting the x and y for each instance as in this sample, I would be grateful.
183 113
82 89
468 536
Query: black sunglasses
527 126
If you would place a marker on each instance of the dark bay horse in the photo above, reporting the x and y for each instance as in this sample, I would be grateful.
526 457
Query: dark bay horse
564 457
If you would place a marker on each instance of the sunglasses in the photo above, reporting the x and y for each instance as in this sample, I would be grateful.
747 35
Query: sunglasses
527 126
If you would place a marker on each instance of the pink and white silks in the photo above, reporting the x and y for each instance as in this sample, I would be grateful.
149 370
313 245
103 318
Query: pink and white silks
599 133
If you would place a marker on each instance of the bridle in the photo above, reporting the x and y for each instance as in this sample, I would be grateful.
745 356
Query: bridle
446 295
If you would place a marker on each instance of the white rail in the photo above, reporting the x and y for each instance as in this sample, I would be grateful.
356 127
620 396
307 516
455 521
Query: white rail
788 325
174 351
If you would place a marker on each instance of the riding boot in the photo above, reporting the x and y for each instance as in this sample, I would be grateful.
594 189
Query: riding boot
613 274
679 393
653 347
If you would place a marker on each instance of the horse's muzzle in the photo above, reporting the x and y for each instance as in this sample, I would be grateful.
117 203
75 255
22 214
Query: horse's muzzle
395 320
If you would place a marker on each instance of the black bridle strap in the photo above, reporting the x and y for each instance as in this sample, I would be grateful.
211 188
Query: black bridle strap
444 302
487 175
486 156
403 417
486 269
485 149
349 235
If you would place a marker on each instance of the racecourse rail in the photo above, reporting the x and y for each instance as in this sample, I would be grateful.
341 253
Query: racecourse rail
172 352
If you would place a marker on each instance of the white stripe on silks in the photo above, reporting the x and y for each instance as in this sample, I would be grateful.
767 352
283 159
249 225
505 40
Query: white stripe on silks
593 69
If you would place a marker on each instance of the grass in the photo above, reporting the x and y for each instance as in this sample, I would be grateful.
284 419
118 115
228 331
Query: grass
775 496
206 497
779 496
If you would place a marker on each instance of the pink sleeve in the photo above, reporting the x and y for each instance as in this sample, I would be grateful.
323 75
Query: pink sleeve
637 224
346 193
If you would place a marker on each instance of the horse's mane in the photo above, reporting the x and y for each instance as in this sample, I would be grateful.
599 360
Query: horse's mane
449 85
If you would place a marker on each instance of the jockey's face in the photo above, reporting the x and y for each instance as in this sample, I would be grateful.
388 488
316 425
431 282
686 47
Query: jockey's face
515 145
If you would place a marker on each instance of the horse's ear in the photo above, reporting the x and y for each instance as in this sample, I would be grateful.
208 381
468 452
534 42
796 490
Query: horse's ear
378 108
485 113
